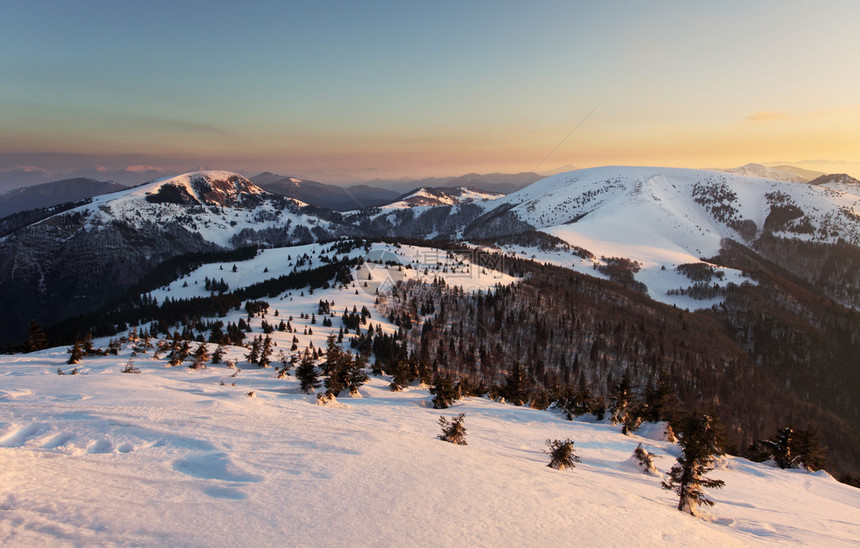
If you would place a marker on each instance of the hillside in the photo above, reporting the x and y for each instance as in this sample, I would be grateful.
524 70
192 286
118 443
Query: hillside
663 217
83 257
442 196
129 457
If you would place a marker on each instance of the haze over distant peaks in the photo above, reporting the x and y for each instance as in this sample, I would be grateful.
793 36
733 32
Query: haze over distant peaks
779 173
54 193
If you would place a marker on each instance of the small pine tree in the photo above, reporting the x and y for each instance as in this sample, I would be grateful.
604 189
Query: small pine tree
699 437
516 389
453 431
561 454
201 356
253 356
444 391
645 460
791 448
618 409
75 353
265 352
218 355
307 375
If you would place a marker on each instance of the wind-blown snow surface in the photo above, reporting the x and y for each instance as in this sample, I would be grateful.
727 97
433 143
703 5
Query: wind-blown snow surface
185 458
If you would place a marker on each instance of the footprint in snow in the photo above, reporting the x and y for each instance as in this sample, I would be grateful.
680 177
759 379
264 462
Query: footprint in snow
217 466
58 441
100 446
17 438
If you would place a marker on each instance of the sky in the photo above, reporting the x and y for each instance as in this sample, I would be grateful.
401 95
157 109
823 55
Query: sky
344 91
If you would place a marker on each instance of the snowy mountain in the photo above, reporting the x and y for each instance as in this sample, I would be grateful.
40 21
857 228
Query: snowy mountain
442 196
664 217
51 194
778 173
83 257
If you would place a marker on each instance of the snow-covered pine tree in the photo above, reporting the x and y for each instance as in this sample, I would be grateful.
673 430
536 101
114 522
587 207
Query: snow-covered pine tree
453 431
201 356
618 408
699 437
645 460
561 454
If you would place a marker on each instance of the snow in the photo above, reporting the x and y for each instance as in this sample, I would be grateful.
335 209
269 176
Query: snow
651 215
178 457
214 223
184 458
424 198
419 263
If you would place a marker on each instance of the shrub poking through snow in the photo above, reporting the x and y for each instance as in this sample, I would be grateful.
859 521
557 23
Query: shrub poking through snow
453 431
129 366
645 460
561 454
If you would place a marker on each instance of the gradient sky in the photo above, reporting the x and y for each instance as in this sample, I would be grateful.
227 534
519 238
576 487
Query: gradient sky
335 90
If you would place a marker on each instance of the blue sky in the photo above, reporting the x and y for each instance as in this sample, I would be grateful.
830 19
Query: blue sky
333 89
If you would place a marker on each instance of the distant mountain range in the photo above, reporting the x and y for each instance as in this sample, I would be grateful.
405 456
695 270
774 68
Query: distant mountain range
50 194
334 197
778 173
502 183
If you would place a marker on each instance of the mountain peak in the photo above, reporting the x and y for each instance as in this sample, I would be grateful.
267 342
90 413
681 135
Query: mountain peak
202 187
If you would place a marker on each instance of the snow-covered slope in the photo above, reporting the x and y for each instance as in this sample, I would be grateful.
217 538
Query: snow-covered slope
218 205
177 457
665 217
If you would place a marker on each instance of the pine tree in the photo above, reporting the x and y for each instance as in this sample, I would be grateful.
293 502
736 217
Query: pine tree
453 431
791 448
645 460
618 408
265 352
561 454
75 354
306 373
253 355
444 392
37 340
218 355
201 356
699 438
516 390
